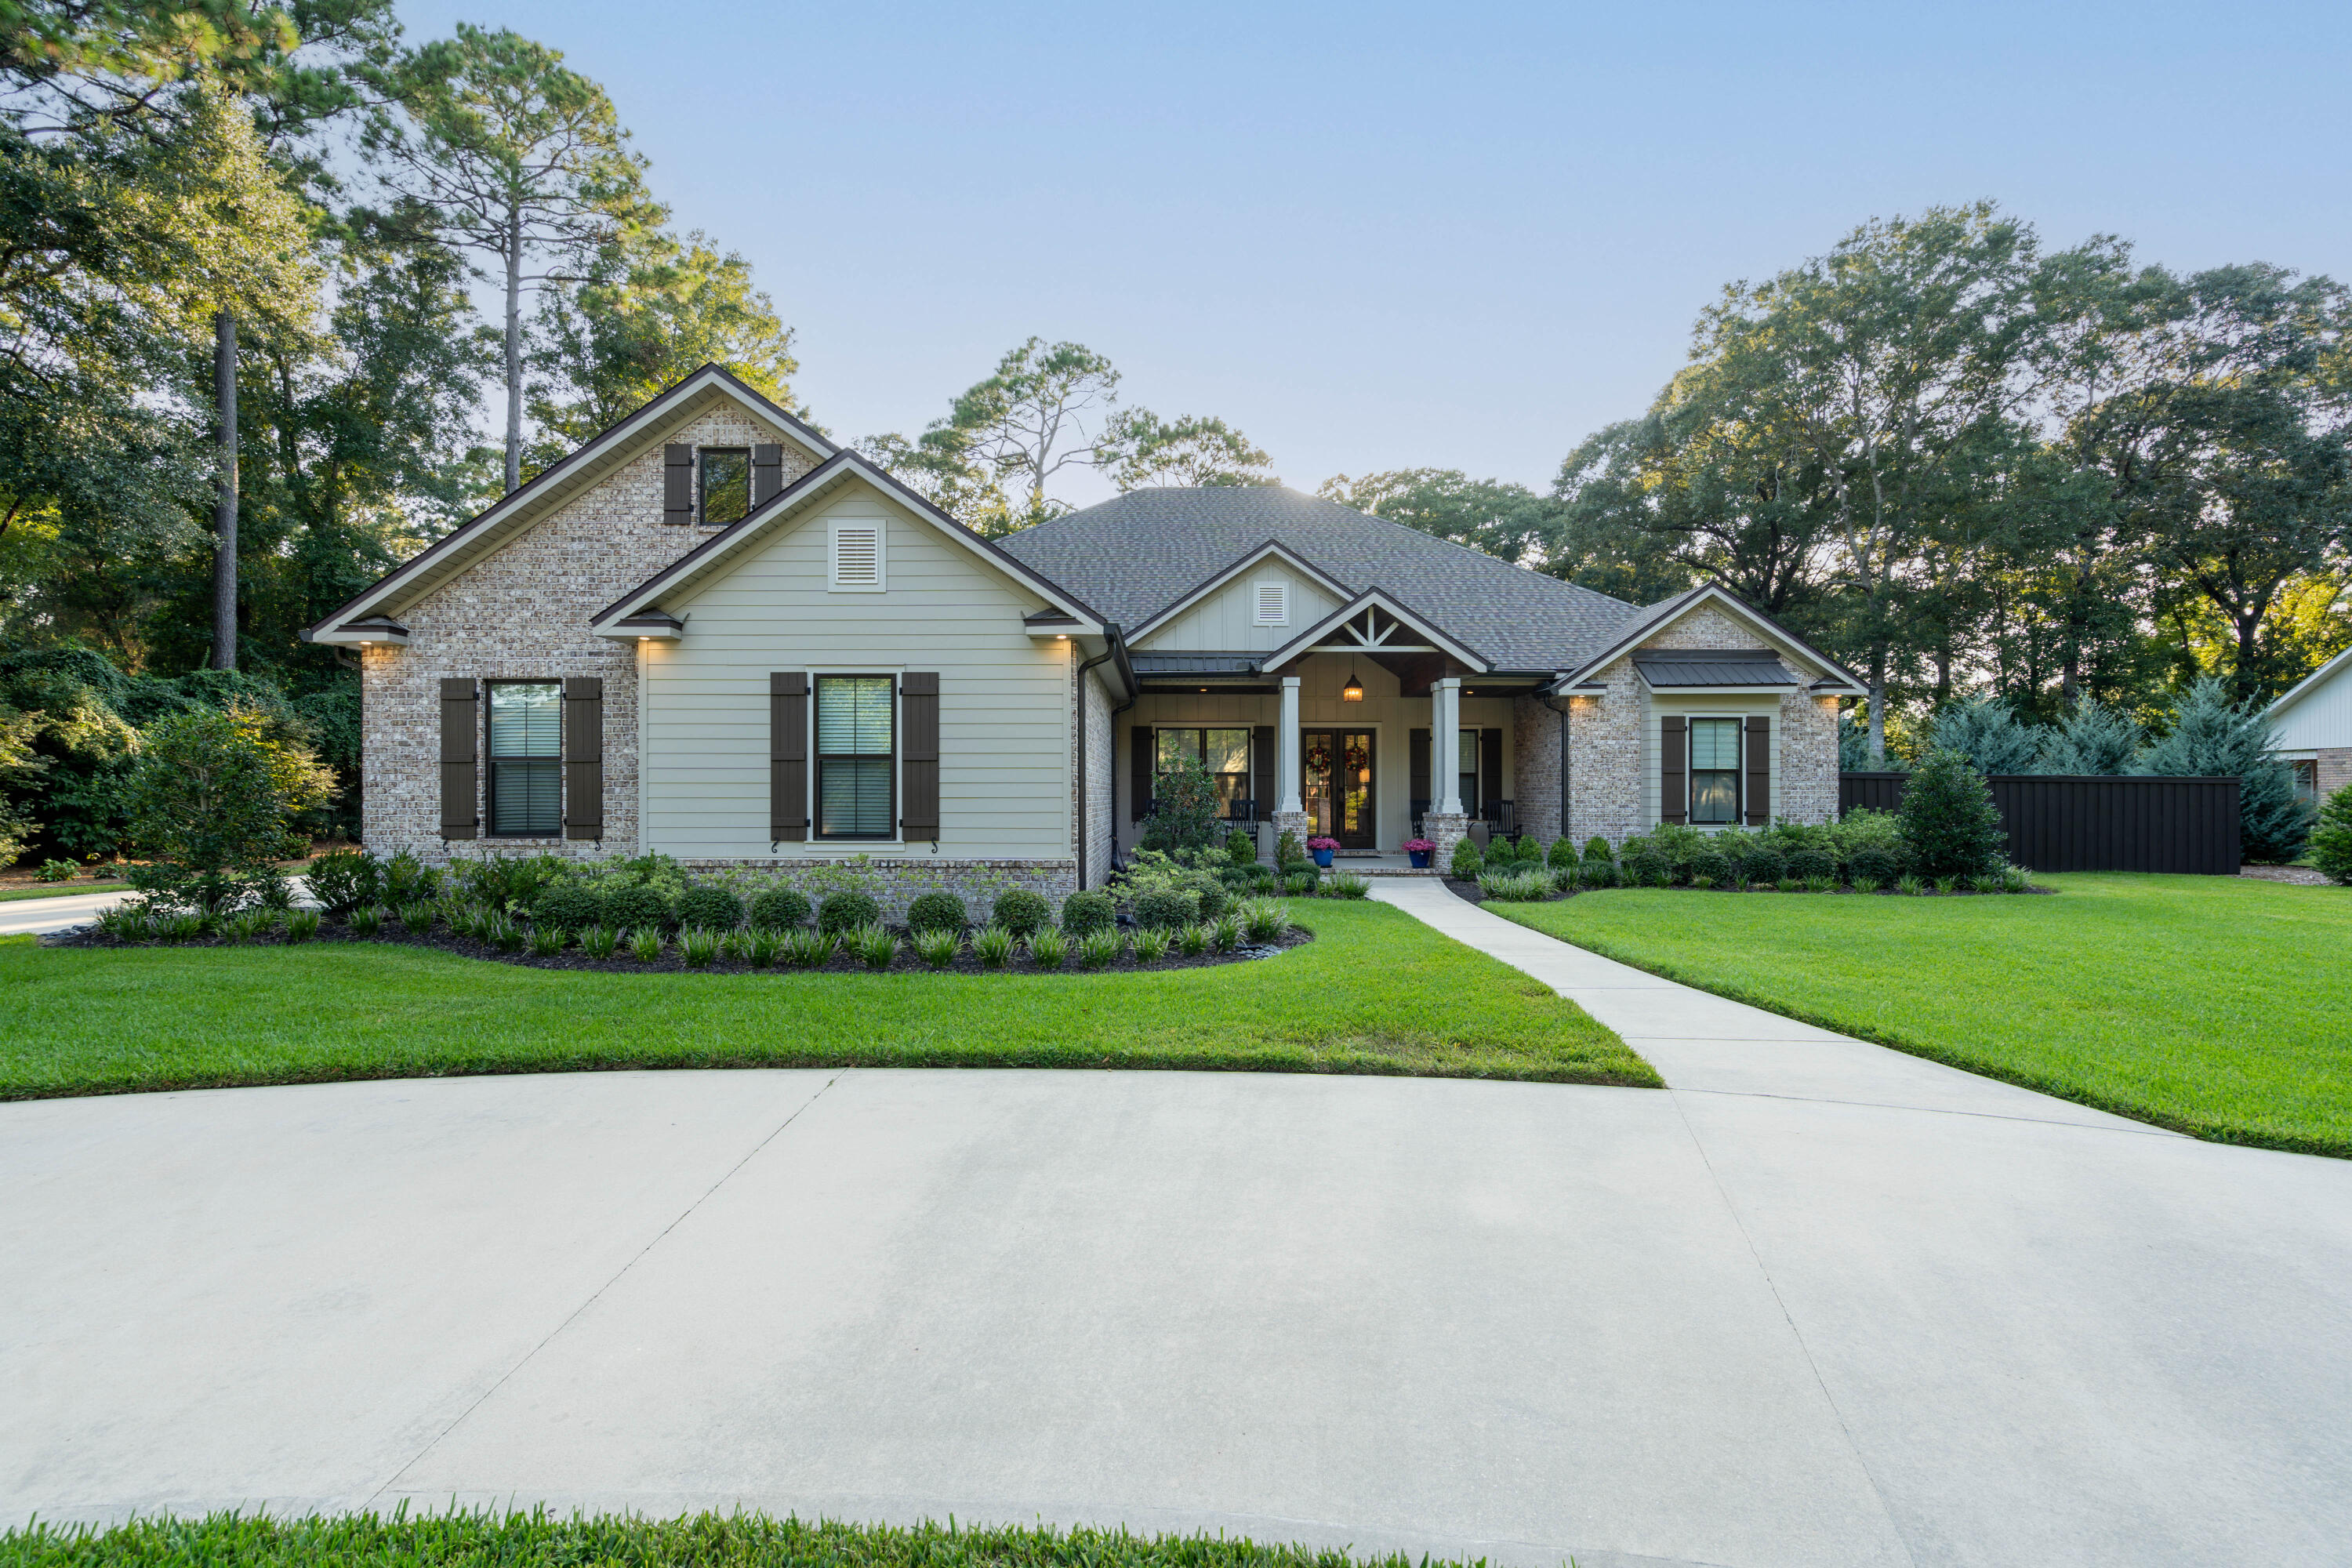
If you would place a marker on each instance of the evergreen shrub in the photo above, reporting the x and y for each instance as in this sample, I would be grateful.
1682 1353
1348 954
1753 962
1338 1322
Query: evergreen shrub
1023 913
1950 823
937 911
780 908
1086 913
848 911
707 908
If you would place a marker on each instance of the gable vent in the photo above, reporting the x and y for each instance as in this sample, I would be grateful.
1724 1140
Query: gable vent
857 555
1272 604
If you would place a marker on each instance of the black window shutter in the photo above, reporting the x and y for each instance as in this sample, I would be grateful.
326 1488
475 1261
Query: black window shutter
1418 745
918 754
767 472
584 757
461 735
678 483
1139 787
1674 750
1490 768
788 757
1760 772
1265 752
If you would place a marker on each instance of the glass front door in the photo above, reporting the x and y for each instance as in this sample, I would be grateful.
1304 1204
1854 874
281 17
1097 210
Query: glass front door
1338 788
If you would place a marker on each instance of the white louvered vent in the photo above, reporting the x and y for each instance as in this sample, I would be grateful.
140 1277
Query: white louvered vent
857 555
1272 604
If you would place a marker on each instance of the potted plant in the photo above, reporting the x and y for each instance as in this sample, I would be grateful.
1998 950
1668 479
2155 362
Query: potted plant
1322 849
1420 850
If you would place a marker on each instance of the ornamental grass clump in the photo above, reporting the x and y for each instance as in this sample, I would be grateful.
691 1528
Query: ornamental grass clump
1820 884
1226 933
646 945
301 925
187 925
780 908
1301 883
546 941
505 934
1514 886
697 946
1048 947
1867 884
366 921
599 942
1266 920
1348 885
1150 946
991 946
735 946
873 945
1099 949
245 926
126 922
1910 885
418 915
764 947
1565 878
806 949
936 946
1193 940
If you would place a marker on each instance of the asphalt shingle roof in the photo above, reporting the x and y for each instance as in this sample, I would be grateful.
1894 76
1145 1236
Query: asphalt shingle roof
1132 557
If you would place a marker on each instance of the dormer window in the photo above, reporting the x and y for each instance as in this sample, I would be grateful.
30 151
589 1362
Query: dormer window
1272 604
726 488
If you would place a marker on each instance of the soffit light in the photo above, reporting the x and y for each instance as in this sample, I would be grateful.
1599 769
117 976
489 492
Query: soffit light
1353 691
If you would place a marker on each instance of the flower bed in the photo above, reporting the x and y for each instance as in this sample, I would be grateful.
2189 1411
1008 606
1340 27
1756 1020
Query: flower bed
1260 929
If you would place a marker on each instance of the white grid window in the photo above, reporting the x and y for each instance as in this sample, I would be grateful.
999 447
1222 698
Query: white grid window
857 556
1272 604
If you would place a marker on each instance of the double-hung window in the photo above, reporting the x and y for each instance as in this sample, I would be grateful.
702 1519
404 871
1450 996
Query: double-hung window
526 772
726 483
1467 770
856 761
1225 753
1714 771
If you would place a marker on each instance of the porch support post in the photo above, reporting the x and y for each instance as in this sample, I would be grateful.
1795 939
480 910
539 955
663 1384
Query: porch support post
1446 824
1289 811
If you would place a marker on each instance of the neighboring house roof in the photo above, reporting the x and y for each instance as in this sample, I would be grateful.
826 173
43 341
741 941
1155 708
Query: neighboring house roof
1136 557
1714 667
2309 684
551 488
689 571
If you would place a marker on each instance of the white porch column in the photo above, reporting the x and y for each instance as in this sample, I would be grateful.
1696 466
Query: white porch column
1446 744
1287 751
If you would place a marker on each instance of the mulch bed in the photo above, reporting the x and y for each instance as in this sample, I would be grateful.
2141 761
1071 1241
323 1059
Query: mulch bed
442 940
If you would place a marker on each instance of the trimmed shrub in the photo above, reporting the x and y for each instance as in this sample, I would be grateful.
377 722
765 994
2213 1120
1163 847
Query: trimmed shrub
1811 861
1597 849
1241 847
1950 823
707 908
780 908
1167 909
567 905
1467 861
1087 912
1562 856
847 911
2331 837
1023 913
639 908
1286 850
1879 863
342 879
938 910
1763 863
1214 900
1647 862
1712 863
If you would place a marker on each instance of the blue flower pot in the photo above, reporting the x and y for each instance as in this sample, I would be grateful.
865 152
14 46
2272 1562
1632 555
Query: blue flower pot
1421 859
1322 857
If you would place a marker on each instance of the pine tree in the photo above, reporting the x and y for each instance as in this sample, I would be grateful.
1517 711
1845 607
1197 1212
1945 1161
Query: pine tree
2094 739
2331 837
2213 738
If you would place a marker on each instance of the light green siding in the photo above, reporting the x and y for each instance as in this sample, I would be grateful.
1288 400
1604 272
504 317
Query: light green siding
1227 620
1004 697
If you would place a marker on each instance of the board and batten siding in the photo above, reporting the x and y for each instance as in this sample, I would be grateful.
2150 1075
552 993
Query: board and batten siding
1005 719
1227 620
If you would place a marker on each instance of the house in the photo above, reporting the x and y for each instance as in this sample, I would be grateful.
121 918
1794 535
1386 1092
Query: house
712 633
2313 724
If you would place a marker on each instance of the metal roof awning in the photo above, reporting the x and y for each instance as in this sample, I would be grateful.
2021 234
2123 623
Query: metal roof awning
1716 669
1148 665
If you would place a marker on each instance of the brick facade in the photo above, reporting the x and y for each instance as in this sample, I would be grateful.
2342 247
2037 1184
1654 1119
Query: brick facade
522 614
2332 769
1535 766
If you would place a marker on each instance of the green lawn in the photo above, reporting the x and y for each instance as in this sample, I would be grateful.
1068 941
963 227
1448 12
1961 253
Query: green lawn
2217 1005
1377 991
538 1540
59 891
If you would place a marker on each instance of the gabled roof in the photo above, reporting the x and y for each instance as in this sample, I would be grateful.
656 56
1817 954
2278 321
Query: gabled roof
1137 555
1648 622
1249 562
1388 604
556 484
713 554
2307 685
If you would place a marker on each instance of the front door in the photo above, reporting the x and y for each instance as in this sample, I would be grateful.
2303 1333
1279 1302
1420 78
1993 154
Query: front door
1338 785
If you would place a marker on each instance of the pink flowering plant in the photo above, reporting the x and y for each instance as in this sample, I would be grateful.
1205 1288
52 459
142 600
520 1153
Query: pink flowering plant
1319 842
1419 847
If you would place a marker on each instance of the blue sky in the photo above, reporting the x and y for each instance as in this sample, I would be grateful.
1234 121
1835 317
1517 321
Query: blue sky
1380 237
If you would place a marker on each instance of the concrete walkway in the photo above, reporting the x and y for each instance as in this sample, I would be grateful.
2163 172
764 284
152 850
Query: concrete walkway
22 917
1827 1309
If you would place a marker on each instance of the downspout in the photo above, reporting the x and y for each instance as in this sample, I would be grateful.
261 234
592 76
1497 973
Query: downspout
1112 649
1553 701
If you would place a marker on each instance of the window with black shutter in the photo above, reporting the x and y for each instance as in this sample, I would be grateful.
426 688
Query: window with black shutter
726 484
525 771
857 764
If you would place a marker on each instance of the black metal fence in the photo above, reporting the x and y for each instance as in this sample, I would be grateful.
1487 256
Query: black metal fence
2095 823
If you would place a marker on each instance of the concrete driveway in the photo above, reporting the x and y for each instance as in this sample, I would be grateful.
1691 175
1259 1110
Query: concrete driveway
37 917
1724 1326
